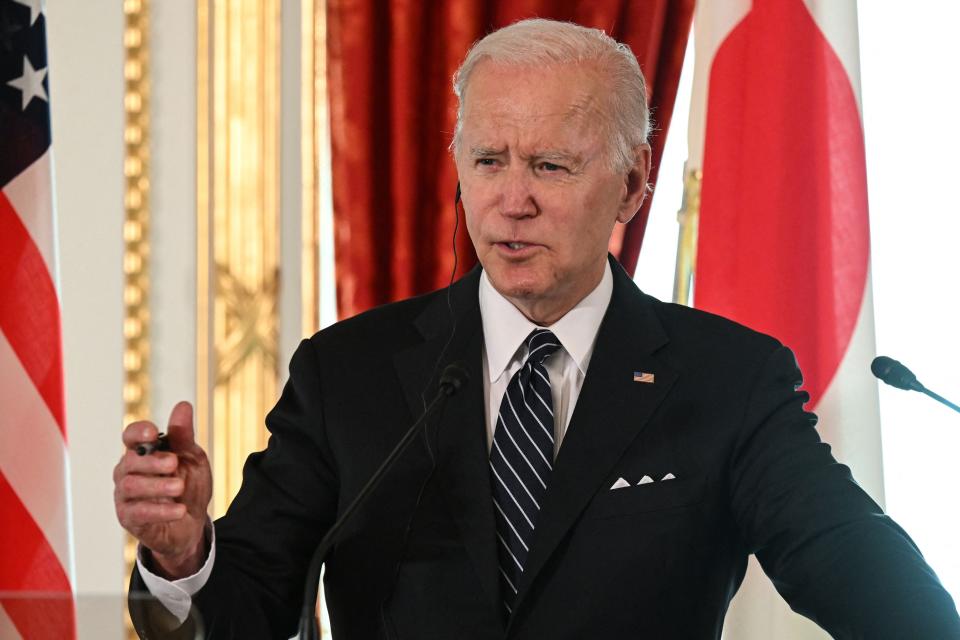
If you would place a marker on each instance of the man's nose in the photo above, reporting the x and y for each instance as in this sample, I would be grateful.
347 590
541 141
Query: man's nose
517 198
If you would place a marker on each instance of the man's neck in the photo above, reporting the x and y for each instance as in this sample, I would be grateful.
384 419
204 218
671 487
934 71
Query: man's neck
545 312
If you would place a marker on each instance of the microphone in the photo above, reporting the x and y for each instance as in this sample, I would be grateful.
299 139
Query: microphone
897 375
452 380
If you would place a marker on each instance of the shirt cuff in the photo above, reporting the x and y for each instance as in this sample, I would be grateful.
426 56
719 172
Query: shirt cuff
177 595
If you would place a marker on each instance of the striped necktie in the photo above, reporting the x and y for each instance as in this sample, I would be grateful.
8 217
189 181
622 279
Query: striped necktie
521 460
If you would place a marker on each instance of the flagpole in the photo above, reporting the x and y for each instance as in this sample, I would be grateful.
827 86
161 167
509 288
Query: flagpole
689 217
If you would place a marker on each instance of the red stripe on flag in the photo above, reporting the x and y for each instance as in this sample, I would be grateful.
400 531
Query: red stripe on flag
30 566
29 563
30 310
784 238
46 616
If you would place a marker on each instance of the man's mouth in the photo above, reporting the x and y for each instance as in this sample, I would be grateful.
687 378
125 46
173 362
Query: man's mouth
517 249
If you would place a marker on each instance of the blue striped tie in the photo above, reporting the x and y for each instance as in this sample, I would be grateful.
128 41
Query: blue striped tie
521 460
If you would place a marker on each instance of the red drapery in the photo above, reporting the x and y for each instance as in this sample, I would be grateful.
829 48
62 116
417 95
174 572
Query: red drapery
390 64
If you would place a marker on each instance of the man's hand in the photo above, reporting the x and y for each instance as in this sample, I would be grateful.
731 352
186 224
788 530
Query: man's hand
162 498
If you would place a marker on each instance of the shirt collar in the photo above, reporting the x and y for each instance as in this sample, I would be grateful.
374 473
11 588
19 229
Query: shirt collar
505 328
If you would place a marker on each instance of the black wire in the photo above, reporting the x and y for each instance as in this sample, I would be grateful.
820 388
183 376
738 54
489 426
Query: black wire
453 317
388 630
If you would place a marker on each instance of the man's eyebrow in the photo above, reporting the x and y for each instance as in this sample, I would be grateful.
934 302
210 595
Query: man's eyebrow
484 152
558 154
548 155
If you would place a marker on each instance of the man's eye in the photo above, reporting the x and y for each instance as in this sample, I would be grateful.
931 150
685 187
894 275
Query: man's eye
486 162
550 167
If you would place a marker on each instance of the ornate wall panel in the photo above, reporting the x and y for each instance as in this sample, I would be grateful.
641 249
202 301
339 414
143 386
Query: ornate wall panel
238 221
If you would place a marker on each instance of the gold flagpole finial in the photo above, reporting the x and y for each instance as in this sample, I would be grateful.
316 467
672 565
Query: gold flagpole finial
689 218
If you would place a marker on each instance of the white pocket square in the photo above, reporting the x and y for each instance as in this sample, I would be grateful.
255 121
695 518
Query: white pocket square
645 480
620 484
669 476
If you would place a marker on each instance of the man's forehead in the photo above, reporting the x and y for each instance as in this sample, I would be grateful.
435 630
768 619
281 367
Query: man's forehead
532 112
559 90
556 131
557 110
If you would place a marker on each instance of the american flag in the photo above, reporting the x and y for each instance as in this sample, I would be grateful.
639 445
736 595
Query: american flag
36 598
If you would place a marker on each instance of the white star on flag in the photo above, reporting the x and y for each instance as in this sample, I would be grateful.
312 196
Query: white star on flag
36 8
30 83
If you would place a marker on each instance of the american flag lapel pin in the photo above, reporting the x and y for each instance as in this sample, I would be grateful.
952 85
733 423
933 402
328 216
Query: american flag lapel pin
643 376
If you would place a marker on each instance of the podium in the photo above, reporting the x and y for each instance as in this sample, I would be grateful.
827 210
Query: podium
55 616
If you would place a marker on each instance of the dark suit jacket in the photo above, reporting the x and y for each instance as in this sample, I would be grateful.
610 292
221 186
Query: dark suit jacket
658 560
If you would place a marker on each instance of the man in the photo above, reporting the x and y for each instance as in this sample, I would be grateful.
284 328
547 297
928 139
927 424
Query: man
608 468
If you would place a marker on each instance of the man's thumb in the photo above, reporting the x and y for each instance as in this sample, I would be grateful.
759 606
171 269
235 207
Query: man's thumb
180 426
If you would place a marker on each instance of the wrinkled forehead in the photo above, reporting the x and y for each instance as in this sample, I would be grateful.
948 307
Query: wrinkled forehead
568 99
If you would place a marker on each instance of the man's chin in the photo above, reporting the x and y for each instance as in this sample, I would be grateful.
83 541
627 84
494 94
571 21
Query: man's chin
522 281
512 288
517 288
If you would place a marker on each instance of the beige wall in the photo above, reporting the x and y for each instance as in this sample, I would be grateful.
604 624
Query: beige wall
86 96
173 238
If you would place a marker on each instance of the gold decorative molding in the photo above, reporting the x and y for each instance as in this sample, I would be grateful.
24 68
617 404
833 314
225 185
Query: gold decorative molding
251 324
136 229
689 219
318 295
136 201
313 119
237 231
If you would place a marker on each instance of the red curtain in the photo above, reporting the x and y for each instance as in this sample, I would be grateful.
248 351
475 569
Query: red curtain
390 64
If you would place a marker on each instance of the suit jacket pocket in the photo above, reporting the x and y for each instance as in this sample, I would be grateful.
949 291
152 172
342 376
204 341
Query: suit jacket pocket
654 496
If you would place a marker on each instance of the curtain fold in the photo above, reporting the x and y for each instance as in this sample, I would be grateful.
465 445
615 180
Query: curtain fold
392 111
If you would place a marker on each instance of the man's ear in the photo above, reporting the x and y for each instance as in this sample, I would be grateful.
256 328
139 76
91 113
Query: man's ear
636 184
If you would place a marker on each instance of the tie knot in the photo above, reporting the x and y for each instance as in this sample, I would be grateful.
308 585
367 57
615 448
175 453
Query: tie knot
541 343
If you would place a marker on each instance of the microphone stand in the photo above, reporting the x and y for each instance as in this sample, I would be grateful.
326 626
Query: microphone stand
452 380
938 398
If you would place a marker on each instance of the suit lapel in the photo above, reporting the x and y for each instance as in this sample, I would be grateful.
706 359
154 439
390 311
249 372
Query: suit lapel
611 411
463 458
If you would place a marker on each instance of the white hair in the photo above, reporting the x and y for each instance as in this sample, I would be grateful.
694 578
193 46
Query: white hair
538 42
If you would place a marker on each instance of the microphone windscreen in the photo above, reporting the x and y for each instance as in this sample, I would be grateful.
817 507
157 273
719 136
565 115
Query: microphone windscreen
894 373
881 366
453 378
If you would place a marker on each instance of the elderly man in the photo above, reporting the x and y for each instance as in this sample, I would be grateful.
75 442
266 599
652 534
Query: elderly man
605 474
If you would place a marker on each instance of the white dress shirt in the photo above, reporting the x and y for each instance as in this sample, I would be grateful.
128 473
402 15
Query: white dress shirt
177 595
504 331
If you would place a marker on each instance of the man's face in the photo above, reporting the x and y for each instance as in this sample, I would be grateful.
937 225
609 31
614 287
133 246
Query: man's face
539 193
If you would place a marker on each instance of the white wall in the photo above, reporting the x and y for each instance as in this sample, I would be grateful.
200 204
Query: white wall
86 95
173 239
912 135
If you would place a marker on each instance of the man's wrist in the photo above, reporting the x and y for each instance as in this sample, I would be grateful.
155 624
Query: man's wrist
177 566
